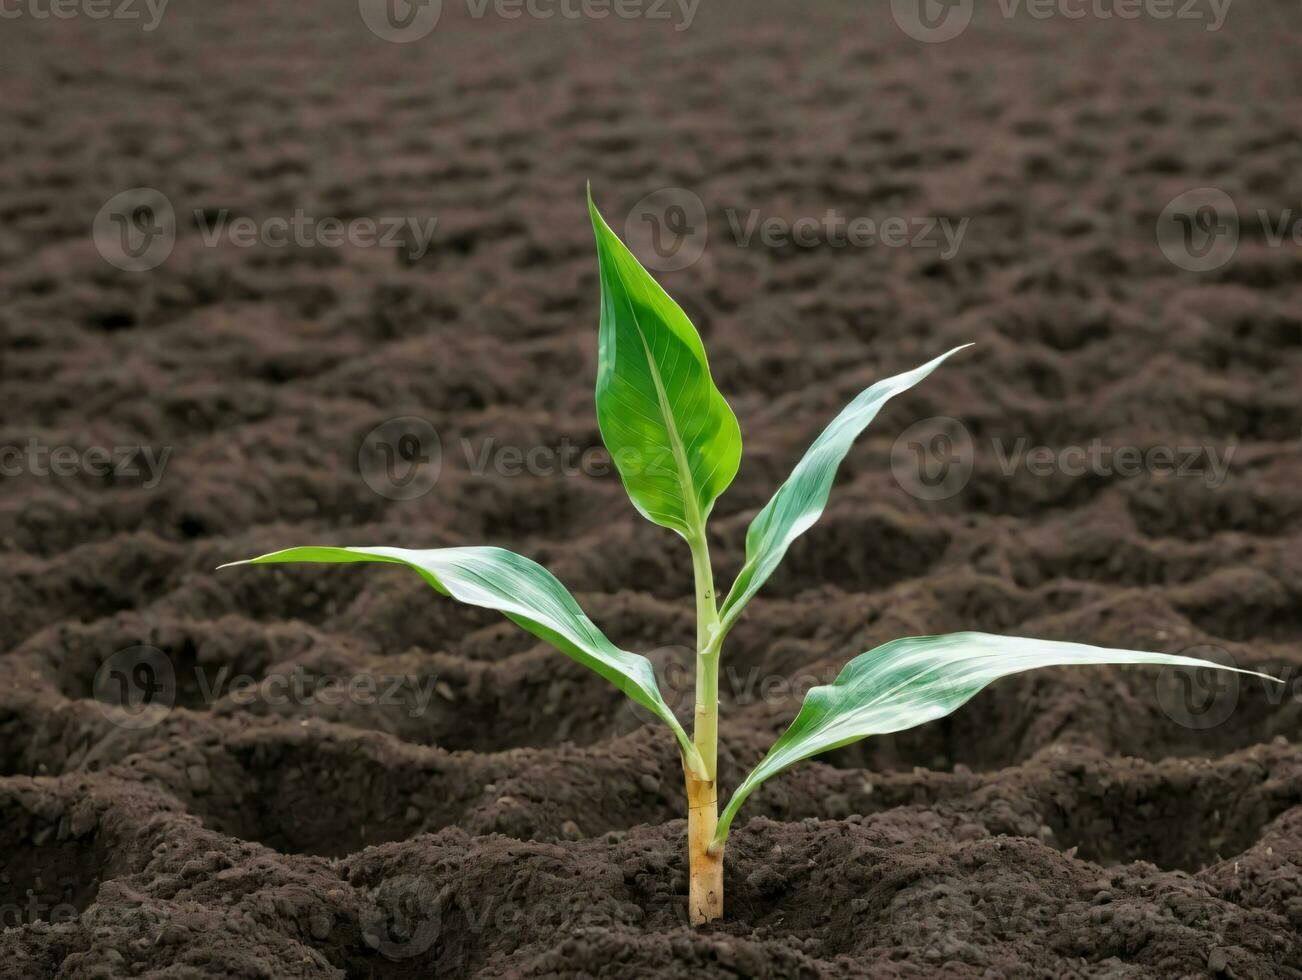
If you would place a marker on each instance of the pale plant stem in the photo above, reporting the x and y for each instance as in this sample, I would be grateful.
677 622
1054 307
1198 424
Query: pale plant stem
706 732
705 898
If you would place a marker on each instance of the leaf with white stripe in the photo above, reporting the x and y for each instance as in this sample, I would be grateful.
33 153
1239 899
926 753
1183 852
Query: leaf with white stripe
908 682
528 595
799 502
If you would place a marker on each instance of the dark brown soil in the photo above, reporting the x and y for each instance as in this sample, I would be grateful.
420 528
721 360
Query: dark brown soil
515 817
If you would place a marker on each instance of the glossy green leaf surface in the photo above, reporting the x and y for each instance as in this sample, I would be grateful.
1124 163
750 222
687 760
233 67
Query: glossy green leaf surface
669 430
528 595
800 501
908 682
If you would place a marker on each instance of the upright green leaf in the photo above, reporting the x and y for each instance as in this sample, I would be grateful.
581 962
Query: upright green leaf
528 595
671 435
908 682
799 502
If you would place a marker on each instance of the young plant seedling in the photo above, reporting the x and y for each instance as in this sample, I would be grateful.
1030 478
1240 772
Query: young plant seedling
677 446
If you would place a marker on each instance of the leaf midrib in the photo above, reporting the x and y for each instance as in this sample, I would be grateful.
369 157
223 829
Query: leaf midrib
691 508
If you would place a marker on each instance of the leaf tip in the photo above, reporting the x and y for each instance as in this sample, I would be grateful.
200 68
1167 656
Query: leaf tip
598 222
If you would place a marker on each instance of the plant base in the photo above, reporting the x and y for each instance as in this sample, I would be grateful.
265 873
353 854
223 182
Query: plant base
705 885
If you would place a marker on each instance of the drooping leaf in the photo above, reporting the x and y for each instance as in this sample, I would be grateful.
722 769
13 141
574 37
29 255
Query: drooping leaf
799 502
908 682
527 594
669 430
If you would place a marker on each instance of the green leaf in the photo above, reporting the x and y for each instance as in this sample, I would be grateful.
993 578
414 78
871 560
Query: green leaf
906 683
528 595
799 502
671 435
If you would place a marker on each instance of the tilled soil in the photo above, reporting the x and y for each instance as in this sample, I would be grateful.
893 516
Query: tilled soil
489 808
